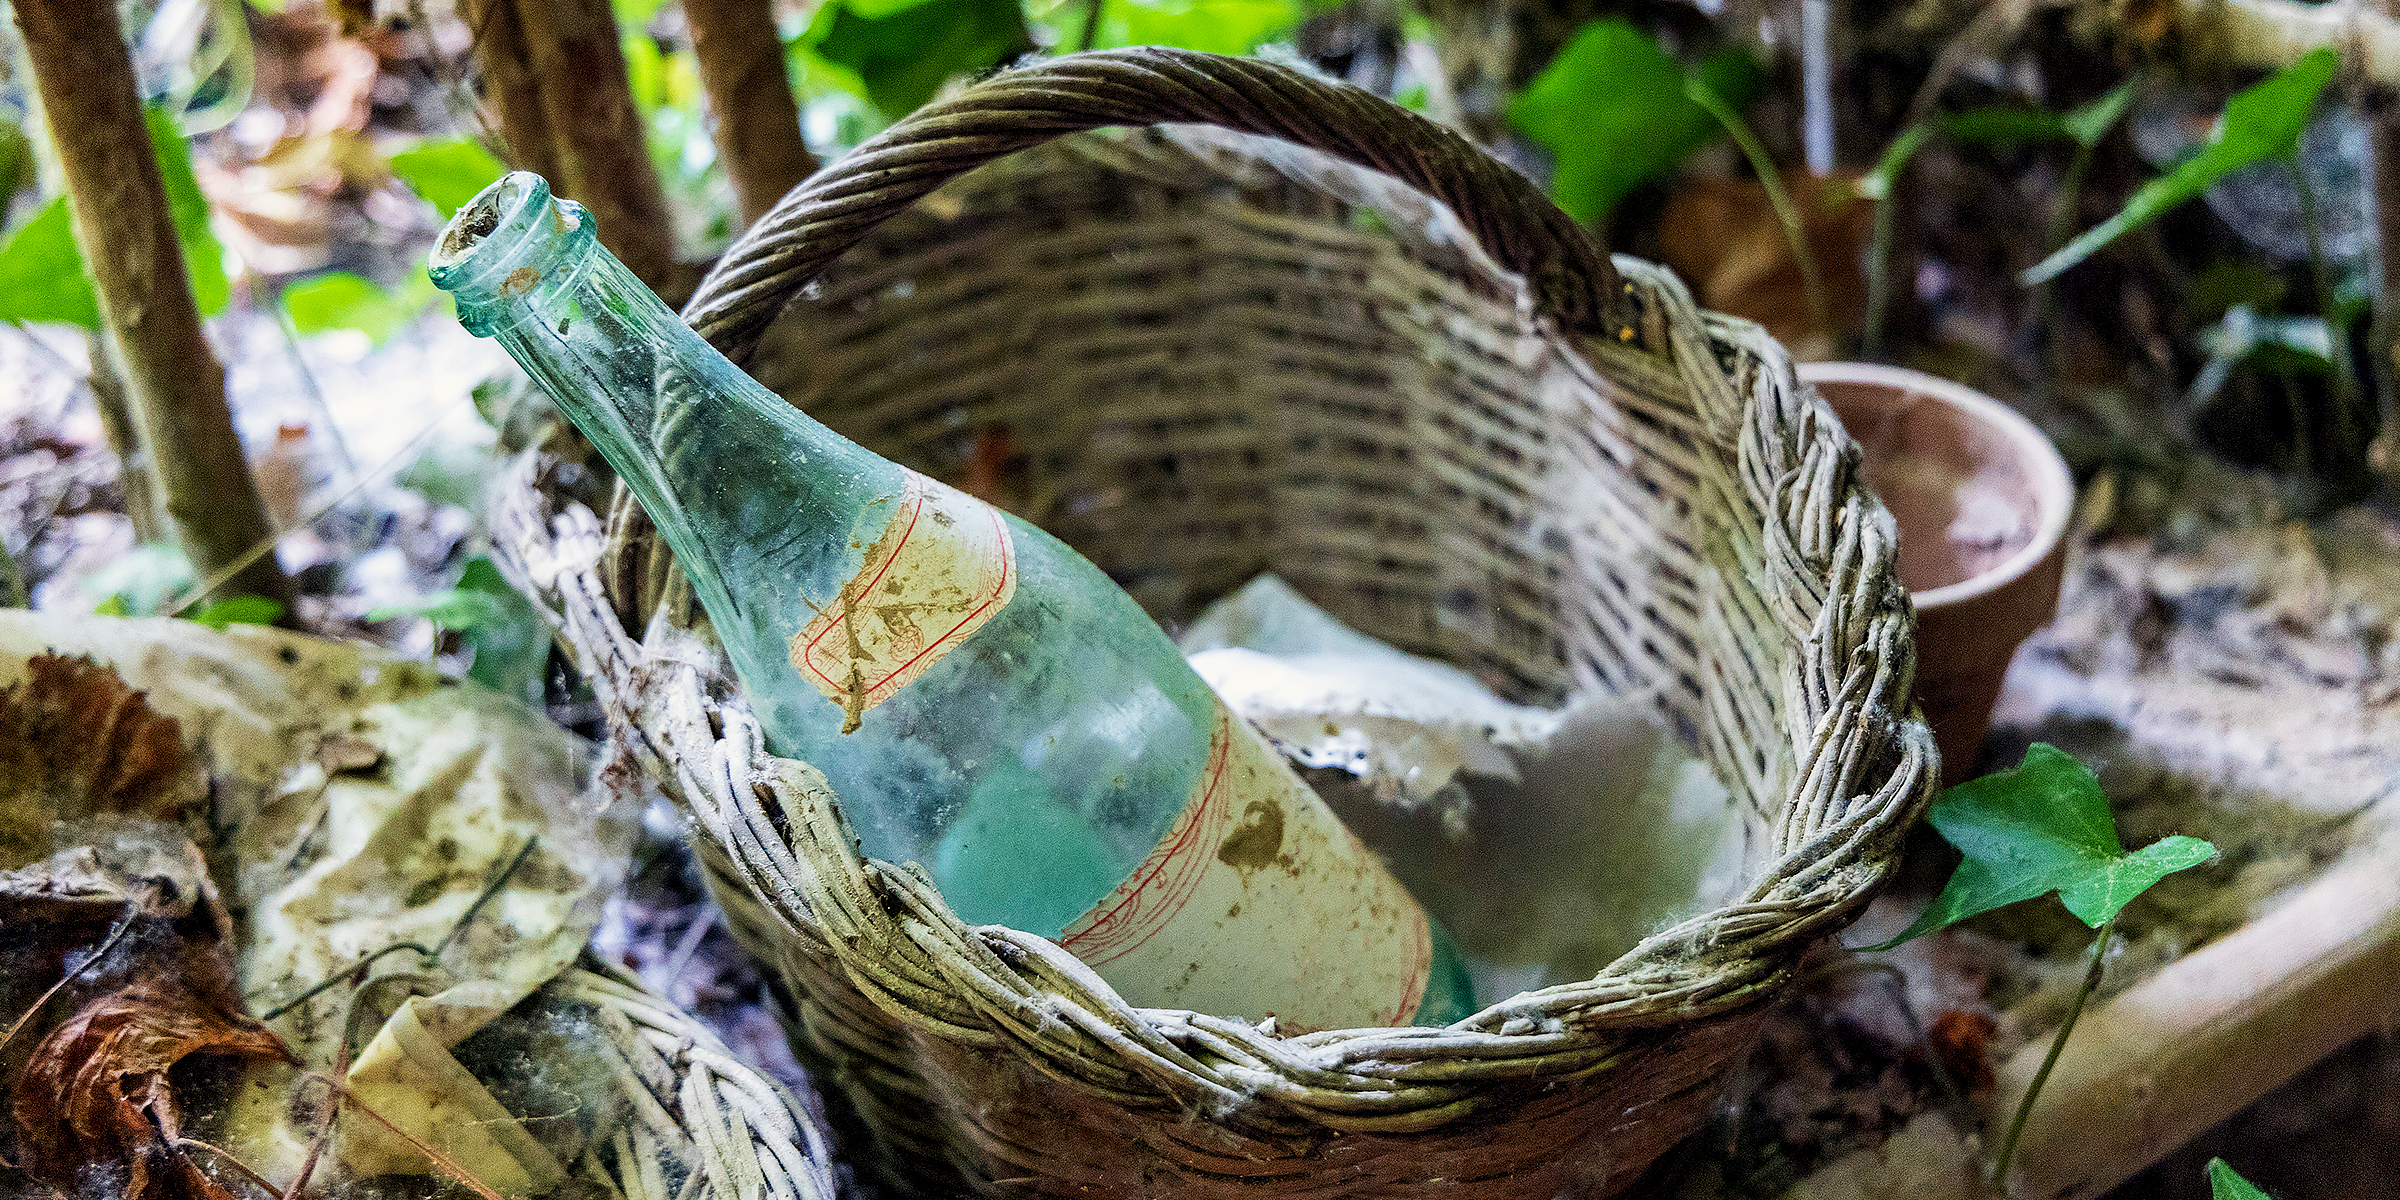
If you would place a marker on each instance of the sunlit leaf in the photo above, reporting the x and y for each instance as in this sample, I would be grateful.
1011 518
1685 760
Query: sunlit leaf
2043 827
41 268
203 254
2089 123
902 53
2261 122
239 610
340 300
1614 111
2225 1184
447 172
41 272
511 642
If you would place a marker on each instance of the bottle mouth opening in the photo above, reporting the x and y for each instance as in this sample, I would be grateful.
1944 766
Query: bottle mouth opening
511 225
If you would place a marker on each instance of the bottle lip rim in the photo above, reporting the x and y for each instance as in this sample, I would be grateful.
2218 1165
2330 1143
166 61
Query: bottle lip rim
511 224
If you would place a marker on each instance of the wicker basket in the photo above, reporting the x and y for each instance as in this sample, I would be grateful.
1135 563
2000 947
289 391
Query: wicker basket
1397 375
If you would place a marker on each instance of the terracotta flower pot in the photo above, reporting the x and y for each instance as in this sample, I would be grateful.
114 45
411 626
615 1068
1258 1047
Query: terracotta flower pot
1982 499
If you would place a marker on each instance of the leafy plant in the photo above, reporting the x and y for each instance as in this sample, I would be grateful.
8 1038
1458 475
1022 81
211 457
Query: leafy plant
511 644
1214 26
447 172
239 610
1615 110
2044 827
41 269
2084 125
2225 1184
141 583
2260 123
903 51
340 300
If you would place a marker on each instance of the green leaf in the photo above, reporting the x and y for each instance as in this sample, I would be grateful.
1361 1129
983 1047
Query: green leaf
239 610
203 254
511 642
2225 1184
512 653
903 53
2090 122
1214 26
2261 122
341 300
2005 125
453 608
1878 183
2043 827
141 583
41 268
41 272
1614 111
447 172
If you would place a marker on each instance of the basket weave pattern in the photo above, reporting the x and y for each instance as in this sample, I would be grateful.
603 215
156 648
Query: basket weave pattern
1458 426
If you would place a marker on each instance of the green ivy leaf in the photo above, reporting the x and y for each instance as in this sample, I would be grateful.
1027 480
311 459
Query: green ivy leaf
902 53
341 300
239 610
41 268
2260 122
2225 1184
447 172
1614 111
2043 827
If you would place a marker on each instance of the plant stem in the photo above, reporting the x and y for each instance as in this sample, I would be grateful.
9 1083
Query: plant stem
1786 213
2091 983
2048 354
117 197
2345 373
1091 26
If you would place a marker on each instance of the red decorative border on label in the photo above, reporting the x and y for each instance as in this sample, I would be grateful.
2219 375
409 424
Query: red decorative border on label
942 567
1150 897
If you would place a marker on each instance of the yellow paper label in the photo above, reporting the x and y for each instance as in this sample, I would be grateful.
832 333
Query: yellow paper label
1258 901
941 568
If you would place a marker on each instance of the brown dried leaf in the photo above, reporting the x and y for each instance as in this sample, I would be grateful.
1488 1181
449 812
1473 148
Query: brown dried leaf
75 742
95 1113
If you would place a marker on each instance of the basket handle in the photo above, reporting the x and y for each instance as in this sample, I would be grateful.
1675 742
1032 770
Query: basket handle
1567 268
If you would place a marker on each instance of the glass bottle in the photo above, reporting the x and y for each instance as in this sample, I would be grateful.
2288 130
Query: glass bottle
985 701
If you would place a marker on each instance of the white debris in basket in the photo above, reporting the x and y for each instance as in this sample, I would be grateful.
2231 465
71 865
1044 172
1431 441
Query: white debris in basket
1549 841
1331 696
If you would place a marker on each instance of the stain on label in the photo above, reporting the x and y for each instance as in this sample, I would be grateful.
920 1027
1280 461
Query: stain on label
942 567
1258 901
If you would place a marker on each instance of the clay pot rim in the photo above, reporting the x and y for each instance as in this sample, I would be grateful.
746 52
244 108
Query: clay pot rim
2054 488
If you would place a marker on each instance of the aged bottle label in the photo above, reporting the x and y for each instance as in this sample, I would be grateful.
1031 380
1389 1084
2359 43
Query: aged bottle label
941 568
1259 901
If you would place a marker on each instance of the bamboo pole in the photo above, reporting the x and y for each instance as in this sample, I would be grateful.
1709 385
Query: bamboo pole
757 125
150 320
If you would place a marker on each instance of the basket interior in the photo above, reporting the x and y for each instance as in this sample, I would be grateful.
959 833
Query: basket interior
1197 356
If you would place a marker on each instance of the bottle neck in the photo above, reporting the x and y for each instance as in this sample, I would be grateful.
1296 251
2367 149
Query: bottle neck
716 459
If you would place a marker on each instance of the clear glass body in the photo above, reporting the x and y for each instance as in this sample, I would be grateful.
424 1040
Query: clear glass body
1032 767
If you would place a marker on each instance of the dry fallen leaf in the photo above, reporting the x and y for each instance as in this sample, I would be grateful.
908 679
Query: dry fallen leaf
95 1113
75 742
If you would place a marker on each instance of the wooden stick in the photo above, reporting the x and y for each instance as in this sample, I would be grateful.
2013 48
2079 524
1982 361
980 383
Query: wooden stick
757 121
152 322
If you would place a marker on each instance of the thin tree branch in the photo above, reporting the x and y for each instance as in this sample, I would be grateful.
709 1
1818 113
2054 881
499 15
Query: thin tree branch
757 125
150 319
